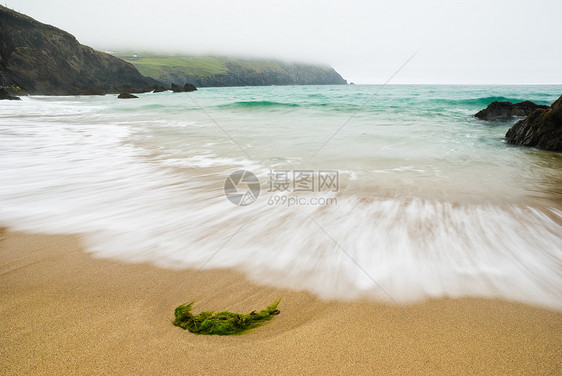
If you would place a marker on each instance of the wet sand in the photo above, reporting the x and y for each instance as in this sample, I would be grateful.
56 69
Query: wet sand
64 312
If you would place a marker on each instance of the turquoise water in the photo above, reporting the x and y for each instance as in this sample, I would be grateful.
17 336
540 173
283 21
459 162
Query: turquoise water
429 201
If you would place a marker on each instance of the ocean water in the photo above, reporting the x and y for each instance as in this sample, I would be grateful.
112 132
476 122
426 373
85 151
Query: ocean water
395 194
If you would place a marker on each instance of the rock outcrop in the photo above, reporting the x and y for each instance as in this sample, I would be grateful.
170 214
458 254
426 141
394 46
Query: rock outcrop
506 110
189 87
528 107
541 129
126 96
176 88
42 59
5 94
181 89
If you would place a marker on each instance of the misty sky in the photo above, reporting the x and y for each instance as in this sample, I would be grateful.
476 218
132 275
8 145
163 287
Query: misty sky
476 41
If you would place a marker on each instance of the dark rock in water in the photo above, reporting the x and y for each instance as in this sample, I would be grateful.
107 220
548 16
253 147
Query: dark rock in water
506 110
4 94
160 89
189 87
499 110
541 129
529 106
126 96
42 59
176 88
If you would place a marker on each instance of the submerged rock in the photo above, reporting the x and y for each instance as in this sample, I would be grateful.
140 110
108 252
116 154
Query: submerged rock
126 96
505 110
541 129
4 94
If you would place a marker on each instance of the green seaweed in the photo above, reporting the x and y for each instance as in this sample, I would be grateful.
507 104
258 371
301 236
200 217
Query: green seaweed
222 323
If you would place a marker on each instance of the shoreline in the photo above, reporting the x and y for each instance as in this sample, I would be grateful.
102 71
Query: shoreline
67 312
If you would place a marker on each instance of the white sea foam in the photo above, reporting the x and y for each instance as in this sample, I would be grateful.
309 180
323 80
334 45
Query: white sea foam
140 191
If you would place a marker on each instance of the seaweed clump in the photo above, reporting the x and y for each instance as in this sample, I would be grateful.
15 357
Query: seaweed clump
222 323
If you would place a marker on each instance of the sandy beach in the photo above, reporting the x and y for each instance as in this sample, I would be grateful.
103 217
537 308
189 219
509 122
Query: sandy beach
383 180
64 312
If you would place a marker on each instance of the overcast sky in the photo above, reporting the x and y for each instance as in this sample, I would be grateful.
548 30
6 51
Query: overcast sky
475 41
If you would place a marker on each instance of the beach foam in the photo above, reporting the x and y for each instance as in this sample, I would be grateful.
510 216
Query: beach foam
425 208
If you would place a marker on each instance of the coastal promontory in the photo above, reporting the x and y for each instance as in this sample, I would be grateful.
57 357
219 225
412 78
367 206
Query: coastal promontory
41 59
208 71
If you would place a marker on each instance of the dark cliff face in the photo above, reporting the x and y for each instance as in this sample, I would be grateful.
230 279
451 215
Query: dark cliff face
42 59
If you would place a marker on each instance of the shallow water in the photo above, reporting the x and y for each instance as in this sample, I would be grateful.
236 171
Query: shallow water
429 202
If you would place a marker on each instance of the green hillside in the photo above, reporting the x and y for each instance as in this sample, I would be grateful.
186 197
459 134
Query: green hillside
156 67
222 71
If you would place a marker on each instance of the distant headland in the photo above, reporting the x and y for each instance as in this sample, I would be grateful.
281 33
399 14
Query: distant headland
205 71
41 59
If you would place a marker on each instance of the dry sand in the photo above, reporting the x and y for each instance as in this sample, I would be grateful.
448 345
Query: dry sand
64 312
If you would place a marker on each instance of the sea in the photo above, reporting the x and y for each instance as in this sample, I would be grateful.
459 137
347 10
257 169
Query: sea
390 193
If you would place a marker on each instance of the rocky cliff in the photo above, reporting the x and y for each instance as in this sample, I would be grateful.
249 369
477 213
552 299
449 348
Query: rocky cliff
41 59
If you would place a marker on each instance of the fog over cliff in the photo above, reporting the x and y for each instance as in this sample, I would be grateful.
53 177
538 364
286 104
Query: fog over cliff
366 41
